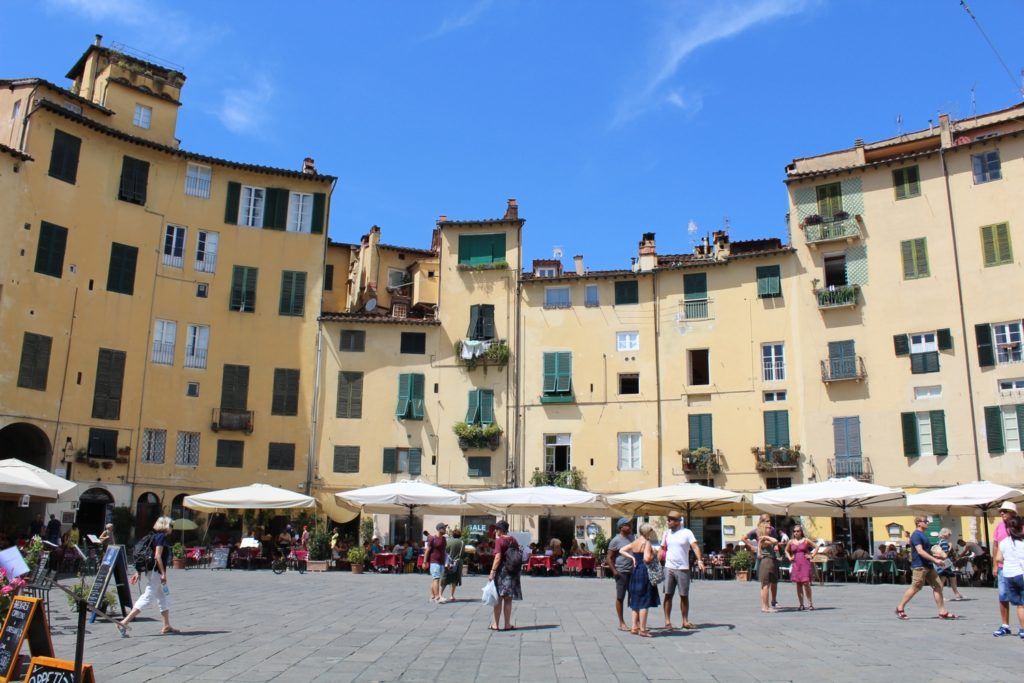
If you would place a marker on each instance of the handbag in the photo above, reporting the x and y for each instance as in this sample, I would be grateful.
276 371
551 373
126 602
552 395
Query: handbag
655 572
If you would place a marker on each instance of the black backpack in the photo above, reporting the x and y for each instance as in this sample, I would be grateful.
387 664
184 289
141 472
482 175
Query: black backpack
142 554
513 558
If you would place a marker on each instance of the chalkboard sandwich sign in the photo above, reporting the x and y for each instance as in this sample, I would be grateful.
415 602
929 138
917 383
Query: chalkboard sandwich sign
50 670
25 619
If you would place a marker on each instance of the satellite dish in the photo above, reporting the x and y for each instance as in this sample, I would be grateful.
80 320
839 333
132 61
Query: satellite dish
557 252
371 304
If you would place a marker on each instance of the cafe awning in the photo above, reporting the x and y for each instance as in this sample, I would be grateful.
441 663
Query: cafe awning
252 497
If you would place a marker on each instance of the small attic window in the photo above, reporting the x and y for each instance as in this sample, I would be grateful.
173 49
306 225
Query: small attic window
546 271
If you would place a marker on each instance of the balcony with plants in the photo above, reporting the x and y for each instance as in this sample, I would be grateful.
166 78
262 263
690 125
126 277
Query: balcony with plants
843 369
232 420
494 352
775 458
477 436
840 227
571 478
838 296
701 462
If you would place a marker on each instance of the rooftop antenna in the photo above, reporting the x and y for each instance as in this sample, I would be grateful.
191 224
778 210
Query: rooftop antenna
557 253
974 102
1018 88
725 223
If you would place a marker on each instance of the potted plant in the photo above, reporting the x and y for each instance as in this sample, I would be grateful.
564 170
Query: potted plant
81 455
600 551
319 549
813 219
465 433
107 464
741 562
357 558
491 434
178 556
840 216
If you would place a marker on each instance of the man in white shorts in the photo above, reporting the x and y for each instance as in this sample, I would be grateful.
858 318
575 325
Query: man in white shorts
677 542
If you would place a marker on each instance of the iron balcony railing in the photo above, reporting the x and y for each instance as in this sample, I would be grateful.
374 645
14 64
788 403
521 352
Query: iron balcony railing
163 352
197 187
195 358
838 297
208 262
772 458
842 369
232 420
847 228
695 309
858 468
174 261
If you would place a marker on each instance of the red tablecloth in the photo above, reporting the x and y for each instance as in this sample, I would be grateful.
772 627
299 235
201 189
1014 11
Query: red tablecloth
420 560
381 560
580 563
486 560
538 561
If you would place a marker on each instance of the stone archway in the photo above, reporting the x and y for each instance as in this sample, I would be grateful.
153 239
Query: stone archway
94 508
147 510
26 442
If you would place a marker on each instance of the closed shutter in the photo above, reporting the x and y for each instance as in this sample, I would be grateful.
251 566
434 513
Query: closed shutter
53 241
231 206
840 438
901 342
986 354
230 453
915 258
281 456
243 289
134 180
830 199
922 363
350 395
769 282
346 459
106 402
479 466
416 386
695 286
415 461
121 273
102 443
486 407
945 339
35 361
329 277
319 213
404 387
853 437
776 428
700 431
627 293
353 340
234 392
293 293
911 445
64 156
390 461
285 399
938 420
994 429
275 209
995 244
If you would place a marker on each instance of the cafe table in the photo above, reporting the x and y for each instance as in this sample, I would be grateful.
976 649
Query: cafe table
387 562
539 562
874 569
580 563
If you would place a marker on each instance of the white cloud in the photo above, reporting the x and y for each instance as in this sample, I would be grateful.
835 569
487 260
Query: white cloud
693 30
461 21
147 21
245 109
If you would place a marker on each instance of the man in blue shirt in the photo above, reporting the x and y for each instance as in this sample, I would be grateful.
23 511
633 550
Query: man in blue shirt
923 567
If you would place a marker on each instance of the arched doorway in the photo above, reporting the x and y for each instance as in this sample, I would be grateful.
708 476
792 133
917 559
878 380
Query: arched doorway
27 443
147 510
178 509
95 508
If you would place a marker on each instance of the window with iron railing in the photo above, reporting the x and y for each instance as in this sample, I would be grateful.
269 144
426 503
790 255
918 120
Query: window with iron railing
206 251
773 362
174 246
197 181
186 451
197 341
164 333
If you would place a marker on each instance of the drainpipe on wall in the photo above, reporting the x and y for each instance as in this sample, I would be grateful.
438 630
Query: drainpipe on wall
944 121
657 370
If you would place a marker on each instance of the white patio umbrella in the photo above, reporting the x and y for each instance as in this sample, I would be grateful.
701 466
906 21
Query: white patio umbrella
974 498
542 500
18 478
252 497
693 500
846 497
405 496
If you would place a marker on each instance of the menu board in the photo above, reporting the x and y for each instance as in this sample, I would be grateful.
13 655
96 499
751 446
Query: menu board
219 558
114 565
25 619
50 670
42 567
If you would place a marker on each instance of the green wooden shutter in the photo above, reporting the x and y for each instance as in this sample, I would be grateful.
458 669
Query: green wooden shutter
287 286
473 413
285 398
350 395
915 258
770 433
498 247
1020 417
901 343
776 428
474 322
994 429
995 244
486 407
35 361
550 372
627 293
986 354
705 431
416 386
769 281
243 289
121 273
911 446
234 392
249 289
938 420
293 293
830 199
106 404
922 363
564 372
50 251
695 286
272 203
1002 235
404 385
479 466
415 461
319 213
840 437
64 156
693 422
390 461
487 321
134 180
231 207
945 339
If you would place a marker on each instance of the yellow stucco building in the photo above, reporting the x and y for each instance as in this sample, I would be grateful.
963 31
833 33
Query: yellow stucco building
159 306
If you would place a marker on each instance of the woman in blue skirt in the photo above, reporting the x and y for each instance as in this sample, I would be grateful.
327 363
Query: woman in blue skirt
642 593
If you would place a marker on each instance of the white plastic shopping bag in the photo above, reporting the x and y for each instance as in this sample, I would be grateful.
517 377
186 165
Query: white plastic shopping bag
490 596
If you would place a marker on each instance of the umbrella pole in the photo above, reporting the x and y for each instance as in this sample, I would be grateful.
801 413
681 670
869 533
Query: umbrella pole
988 540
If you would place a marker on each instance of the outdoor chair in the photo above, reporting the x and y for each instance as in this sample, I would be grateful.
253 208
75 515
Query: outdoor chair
41 590
837 567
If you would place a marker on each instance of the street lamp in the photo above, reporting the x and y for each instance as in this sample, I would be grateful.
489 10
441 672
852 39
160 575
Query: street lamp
69 450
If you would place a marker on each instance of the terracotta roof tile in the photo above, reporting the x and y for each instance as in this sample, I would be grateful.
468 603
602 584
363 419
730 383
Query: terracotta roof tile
17 154
14 82
376 319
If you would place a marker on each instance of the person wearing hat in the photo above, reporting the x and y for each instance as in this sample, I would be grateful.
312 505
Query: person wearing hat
621 566
435 552
505 573
1007 511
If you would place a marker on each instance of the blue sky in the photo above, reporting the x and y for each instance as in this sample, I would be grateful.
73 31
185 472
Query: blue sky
604 119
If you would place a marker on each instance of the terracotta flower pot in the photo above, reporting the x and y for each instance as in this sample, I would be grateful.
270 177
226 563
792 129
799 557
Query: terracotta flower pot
357 569
178 562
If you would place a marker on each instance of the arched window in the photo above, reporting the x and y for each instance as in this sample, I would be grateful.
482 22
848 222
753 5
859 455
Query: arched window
178 509
147 510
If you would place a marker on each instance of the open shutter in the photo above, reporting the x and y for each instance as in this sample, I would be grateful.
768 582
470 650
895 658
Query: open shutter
550 372
907 252
938 420
911 446
473 413
986 355
1002 236
390 461
237 288
474 322
231 207
487 321
693 422
695 286
404 383
901 342
564 372
945 339
416 396
853 436
1020 416
319 213
486 407
994 429
415 461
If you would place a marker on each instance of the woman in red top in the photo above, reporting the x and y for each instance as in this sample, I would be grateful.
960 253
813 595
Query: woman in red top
505 577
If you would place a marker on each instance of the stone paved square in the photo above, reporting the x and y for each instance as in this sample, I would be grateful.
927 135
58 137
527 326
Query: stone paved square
256 626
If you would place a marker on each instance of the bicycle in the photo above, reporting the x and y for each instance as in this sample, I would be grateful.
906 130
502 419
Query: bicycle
281 563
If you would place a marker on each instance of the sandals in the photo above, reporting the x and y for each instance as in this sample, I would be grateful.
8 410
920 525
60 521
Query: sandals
689 626
900 614
644 634
122 629
168 629
948 616
493 627
801 608
811 608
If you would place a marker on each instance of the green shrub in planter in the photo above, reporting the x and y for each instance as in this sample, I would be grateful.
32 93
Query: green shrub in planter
320 544
357 555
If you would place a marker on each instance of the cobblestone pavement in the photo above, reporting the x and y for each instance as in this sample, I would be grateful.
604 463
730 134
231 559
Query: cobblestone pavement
255 626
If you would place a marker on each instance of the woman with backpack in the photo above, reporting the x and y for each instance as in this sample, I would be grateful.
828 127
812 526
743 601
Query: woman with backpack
505 573
155 571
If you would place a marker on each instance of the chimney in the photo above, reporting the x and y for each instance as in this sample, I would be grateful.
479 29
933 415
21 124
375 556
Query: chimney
721 241
309 166
442 218
512 212
578 261
99 40
435 241
945 132
858 149
648 254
